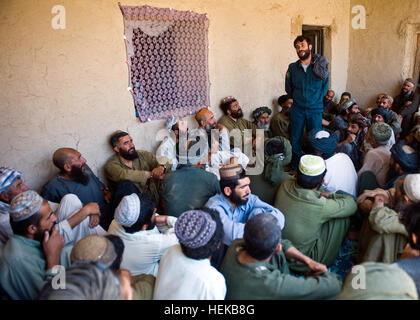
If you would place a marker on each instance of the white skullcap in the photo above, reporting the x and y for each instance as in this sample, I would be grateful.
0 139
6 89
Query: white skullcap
128 210
311 165
412 186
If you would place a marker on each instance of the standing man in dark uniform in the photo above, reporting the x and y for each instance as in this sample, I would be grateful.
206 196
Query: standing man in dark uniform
307 83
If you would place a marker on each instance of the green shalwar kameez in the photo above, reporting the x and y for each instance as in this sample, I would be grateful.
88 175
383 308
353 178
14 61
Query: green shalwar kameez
117 171
314 224
267 281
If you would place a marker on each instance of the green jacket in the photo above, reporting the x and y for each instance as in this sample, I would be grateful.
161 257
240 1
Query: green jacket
315 225
267 281
117 171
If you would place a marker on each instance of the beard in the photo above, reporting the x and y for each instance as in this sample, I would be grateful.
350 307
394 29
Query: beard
237 114
237 199
264 126
131 154
208 127
78 174
305 56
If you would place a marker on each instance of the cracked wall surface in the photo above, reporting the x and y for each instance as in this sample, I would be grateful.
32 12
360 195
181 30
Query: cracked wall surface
68 88
379 54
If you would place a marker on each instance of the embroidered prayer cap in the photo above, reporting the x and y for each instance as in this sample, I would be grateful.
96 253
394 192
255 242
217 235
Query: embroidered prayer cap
383 281
381 132
7 177
311 165
25 205
405 156
171 122
128 210
382 112
231 172
195 228
94 248
260 111
228 98
411 186
324 141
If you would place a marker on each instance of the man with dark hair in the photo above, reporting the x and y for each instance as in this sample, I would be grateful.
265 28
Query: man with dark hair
405 104
280 122
236 204
145 234
352 140
28 257
233 118
77 178
185 271
345 96
394 121
261 118
316 221
340 122
255 267
139 167
307 83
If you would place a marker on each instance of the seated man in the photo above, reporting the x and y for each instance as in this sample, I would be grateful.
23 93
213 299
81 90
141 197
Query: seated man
341 174
377 159
28 257
278 154
185 272
142 232
11 184
410 258
236 204
316 221
379 115
75 221
167 150
352 144
261 118
381 282
255 267
394 121
77 178
190 186
221 153
341 121
139 167
234 118
383 236
279 124
405 104
330 108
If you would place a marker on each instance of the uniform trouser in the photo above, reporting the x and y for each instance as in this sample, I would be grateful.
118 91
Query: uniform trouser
68 206
299 118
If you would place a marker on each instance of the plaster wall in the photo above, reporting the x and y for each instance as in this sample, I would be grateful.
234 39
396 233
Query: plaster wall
383 54
69 87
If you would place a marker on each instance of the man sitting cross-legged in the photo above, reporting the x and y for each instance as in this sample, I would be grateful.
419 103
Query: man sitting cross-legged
255 267
316 221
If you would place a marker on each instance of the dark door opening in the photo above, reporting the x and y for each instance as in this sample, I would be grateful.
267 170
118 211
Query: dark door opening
316 35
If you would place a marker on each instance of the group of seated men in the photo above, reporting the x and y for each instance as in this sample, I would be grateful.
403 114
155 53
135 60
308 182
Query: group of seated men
183 223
